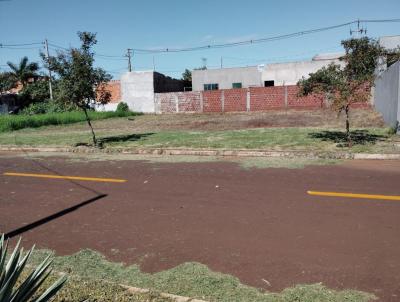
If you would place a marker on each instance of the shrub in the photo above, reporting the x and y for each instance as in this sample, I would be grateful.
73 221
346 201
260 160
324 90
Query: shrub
11 271
16 122
45 107
122 107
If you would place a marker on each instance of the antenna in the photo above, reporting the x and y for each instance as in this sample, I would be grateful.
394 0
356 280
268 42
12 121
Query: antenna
204 60
359 31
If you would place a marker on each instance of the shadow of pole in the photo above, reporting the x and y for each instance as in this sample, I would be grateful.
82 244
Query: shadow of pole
47 219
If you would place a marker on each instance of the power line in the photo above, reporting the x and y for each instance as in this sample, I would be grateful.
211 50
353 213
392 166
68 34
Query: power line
21 44
263 40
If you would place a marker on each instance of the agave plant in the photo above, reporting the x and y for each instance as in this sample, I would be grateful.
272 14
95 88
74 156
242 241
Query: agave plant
27 290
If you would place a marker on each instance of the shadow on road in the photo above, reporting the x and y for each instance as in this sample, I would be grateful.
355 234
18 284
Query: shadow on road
358 137
49 218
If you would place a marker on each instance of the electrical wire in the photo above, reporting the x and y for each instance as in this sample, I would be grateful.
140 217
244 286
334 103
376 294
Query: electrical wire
262 40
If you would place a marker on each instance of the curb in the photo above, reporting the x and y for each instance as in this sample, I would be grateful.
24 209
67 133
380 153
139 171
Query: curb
209 152
136 290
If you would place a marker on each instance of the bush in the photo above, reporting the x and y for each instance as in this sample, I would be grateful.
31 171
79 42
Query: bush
122 107
45 107
12 288
16 122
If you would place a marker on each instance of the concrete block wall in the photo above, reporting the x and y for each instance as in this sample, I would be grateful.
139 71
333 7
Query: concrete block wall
387 95
239 100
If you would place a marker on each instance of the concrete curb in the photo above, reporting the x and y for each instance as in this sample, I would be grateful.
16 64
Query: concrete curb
209 152
136 290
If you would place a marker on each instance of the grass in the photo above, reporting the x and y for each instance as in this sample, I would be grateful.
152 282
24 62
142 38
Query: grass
84 289
16 122
243 162
190 279
306 139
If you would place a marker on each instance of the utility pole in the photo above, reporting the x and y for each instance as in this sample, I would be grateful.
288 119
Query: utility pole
222 62
129 55
46 44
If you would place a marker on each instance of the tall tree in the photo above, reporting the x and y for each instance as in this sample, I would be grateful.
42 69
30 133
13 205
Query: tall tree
187 75
24 71
80 83
349 84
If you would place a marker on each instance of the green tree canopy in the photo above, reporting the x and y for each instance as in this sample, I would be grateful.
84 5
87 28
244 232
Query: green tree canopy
80 83
7 82
351 83
24 70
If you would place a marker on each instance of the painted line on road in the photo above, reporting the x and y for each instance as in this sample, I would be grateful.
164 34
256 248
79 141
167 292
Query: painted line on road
65 177
352 195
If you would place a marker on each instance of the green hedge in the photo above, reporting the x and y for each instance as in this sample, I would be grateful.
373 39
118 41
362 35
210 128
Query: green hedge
16 122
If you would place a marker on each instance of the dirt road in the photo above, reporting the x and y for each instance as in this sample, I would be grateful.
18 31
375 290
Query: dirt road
255 224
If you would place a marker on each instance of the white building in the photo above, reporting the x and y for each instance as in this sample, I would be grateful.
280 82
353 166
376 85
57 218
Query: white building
277 74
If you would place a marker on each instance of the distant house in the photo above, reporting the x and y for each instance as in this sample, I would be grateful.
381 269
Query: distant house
277 74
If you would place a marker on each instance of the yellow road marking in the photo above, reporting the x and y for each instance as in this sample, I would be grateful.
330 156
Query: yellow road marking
65 177
351 195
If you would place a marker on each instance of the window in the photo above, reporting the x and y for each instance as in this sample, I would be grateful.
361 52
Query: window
269 83
210 87
236 85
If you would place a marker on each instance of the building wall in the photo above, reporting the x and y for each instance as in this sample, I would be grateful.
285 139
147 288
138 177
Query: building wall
387 94
390 42
291 73
225 77
137 90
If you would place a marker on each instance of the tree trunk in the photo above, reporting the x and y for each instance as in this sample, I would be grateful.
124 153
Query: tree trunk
347 109
91 128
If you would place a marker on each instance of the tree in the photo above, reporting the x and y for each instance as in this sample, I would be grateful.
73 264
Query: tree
24 71
7 82
80 83
349 84
187 76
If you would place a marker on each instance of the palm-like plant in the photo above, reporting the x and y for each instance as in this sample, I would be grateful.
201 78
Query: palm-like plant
10 272
24 71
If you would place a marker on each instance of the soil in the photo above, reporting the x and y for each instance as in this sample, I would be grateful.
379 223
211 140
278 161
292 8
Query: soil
235 121
254 224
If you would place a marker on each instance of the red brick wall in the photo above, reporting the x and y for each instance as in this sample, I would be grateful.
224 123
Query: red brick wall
267 98
189 101
114 87
307 102
235 100
212 101
229 100
165 102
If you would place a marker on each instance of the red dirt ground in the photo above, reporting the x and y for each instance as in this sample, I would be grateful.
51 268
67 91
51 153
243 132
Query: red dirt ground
256 224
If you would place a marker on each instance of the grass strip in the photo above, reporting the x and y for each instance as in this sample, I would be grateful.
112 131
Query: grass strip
16 122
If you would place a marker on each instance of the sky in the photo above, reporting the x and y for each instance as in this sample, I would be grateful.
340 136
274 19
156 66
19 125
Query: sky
155 24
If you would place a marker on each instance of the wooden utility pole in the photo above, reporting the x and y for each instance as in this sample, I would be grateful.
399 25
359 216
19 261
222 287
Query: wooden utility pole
129 55
46 44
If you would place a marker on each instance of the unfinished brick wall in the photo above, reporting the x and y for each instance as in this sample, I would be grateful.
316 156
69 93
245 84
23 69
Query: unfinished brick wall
114 87
267 98
236 100
212 101
313 101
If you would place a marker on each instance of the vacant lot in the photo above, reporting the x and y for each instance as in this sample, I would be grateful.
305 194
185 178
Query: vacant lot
271 130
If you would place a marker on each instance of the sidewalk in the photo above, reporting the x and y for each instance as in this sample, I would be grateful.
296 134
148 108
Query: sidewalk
210 152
